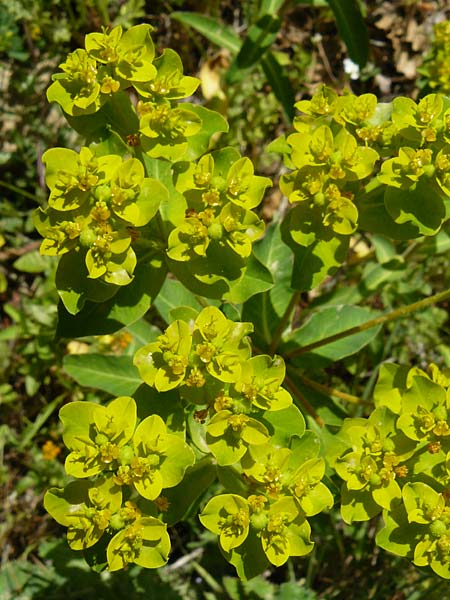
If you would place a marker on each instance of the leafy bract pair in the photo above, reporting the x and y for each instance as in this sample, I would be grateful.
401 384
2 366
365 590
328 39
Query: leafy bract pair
106 439
420 528
281 531
91 510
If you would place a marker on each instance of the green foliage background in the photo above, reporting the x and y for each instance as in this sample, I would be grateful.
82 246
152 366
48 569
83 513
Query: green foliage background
36 368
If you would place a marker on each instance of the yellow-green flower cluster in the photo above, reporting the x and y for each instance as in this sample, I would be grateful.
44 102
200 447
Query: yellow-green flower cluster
111 61
209 361
127 463
220 190
236 402
398 462
95 204
436 66
347 149
271 521
327 159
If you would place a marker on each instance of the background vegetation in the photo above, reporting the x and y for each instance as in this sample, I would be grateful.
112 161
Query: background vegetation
307 38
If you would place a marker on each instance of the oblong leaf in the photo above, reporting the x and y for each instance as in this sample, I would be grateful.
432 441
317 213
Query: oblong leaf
260 36
326 323
280 83
213 30
114 374
352 29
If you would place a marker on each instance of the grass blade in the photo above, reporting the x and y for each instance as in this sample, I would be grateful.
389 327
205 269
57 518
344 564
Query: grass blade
352 29
215 31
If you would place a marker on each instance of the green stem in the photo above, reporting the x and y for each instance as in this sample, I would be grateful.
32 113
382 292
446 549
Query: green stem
209 579
283 322
140 156
304 403
320 387
18 190
391 316
102 9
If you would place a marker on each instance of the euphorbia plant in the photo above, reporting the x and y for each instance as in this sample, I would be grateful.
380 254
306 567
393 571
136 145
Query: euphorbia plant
150 204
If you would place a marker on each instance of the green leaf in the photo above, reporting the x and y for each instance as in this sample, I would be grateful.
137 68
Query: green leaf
114 374
172 211
408 206
358 505
184 498
32 262
210 285
284 424
374 217
256 278
249 558
280 83
75 287
398 535
213 30
327 322
260 36
126 307
174 295
390 387
312 264
270 7
311 2
265 309
212 123
352 29
278 258
142 333
117 114
165 404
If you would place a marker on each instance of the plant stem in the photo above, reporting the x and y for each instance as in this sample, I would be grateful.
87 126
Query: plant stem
283 322
18 190
320 387
391 316
304 403
209 579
